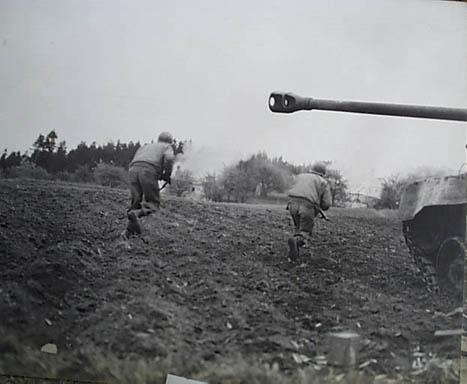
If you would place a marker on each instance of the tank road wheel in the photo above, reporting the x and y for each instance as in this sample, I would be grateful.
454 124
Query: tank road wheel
450 266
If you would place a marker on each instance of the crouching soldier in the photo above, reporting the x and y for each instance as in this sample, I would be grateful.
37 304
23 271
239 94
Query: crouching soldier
310 193
152 162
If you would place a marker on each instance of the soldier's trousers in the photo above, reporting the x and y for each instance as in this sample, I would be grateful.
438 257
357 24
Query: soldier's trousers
303 215
144 184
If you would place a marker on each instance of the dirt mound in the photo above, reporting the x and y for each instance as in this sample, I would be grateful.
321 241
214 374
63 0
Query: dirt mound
207 282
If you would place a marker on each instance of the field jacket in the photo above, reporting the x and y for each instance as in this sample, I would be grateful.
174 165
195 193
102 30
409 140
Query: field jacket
159 155
312 187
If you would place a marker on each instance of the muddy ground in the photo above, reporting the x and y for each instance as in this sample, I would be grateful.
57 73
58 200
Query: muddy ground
208 282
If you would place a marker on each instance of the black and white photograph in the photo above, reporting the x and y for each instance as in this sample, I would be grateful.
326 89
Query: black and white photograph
213 192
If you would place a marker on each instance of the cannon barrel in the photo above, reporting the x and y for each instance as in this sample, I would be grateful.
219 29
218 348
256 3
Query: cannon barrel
288 102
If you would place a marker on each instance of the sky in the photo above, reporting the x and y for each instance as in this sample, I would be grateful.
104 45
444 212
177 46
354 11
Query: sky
108 70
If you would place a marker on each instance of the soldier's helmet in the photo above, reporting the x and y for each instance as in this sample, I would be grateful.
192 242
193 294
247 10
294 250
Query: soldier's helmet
165 137
319 168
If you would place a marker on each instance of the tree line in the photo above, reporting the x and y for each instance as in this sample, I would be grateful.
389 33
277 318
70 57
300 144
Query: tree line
53 157
258 175
50 159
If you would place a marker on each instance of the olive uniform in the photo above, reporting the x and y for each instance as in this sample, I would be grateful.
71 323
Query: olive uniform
151 163
310 193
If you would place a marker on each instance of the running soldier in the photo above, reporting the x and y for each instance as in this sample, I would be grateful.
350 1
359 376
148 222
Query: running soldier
152 162
309 196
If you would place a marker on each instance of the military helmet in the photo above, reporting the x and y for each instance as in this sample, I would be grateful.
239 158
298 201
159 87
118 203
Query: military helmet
166 137
319 168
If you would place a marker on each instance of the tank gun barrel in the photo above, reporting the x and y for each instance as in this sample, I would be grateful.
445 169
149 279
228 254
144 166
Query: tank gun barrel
280 102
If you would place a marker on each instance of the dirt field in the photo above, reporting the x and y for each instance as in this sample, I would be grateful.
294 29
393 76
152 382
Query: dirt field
208 282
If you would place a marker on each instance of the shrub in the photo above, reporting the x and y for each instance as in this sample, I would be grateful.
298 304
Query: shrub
181 182
29 171
111 175
82 174
391 191
64 176
212 188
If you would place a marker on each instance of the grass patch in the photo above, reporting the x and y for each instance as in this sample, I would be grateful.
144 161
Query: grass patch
89 365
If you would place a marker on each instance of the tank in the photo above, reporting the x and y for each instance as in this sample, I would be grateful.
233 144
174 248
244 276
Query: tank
432 211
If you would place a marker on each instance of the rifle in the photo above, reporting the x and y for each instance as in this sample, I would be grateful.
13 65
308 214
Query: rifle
321 212
163 186
166 178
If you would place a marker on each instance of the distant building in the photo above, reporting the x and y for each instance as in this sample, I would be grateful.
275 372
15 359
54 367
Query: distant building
357 200
196 192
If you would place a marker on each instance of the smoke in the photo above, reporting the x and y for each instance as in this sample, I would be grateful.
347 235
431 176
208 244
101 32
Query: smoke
368 181
201 160
426 171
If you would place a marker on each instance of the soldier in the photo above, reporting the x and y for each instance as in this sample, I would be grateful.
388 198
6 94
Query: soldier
310 193
152 162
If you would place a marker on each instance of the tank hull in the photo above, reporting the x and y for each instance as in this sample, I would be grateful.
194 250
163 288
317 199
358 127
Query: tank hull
433 191
433 213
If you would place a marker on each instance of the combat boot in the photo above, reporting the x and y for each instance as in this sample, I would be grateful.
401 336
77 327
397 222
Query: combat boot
133 226
293 248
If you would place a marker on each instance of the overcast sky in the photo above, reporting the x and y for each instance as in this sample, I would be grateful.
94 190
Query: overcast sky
107 70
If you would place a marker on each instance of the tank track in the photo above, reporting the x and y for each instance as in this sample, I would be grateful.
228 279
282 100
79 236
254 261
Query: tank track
425 265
